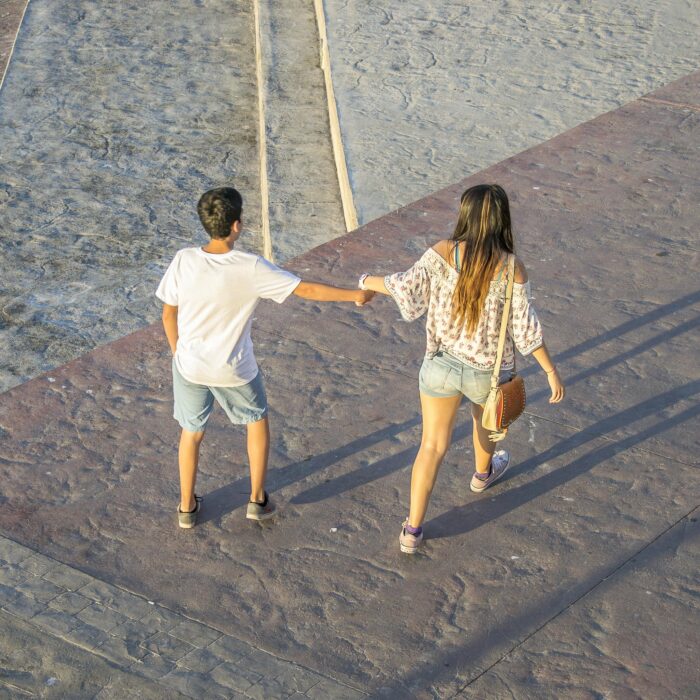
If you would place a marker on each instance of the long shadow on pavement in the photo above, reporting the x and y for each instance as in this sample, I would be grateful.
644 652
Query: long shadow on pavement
462 519
529 622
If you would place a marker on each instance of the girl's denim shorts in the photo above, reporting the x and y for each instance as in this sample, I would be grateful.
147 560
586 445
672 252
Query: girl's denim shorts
444 376
194 402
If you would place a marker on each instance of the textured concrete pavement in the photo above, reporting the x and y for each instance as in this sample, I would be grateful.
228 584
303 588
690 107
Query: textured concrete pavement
112 122
574 577
430 92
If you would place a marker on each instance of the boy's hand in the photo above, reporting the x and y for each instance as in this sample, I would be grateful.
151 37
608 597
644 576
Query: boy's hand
364 296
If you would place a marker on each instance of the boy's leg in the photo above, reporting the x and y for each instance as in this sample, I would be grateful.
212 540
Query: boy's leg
258 454
188 459
193 405
439 416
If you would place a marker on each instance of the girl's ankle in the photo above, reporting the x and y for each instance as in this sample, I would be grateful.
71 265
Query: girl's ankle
414 530
484 475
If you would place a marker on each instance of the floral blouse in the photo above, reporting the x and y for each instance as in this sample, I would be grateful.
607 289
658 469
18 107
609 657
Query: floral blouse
429 285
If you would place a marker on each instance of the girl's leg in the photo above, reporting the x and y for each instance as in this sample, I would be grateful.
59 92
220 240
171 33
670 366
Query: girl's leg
188 459
483 447
438 421
258 453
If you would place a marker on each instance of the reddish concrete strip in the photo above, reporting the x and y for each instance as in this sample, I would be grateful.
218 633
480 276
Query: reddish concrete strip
606 221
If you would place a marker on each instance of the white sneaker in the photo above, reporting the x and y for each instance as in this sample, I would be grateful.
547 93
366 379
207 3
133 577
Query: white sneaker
499 464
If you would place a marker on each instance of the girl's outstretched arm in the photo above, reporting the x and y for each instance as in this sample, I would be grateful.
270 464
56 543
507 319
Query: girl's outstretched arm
373 283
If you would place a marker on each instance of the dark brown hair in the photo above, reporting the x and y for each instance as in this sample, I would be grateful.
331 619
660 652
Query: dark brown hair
218 209
483 226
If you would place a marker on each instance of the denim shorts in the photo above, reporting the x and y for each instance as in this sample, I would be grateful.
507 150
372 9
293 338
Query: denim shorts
444 376
194 402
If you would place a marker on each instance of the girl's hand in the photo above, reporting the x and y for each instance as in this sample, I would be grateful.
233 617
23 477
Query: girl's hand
556 385
364 296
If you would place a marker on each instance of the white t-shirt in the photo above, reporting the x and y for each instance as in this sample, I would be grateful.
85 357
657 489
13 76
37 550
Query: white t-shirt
216 295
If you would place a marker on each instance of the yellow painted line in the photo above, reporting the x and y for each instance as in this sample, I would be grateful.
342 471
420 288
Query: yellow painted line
262 139
12 48
349 211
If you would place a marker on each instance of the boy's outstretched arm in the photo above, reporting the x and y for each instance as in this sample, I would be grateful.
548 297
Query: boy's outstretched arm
170 325
315 291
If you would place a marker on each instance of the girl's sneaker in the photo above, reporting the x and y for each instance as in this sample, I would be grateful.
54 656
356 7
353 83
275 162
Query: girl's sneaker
499 464
261 511
409 543
188 520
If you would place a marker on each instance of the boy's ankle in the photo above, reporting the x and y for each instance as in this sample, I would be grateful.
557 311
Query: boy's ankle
261 500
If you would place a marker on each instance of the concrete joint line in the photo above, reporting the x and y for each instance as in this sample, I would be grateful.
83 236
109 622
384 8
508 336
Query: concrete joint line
605 578
607 438
262 138
349 211
669 103
95 596
14 43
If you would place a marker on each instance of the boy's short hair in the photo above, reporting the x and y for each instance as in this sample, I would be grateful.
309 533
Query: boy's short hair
218 209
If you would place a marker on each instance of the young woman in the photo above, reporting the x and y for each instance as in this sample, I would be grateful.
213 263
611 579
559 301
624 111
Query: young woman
461 284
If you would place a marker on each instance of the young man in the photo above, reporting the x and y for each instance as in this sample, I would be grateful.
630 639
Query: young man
208 296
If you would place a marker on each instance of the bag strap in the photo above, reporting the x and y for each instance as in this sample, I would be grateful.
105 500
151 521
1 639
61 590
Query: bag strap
504 321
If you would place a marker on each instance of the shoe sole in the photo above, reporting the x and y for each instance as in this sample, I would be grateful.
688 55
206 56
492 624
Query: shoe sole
258 518
186 526
408 550
491 483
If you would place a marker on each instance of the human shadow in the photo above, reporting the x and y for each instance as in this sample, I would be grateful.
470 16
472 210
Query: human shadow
638 349
231 496
435 672
371 472
468 517
381 468
627 327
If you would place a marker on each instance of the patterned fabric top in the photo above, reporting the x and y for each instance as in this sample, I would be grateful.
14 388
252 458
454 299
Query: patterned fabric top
429 285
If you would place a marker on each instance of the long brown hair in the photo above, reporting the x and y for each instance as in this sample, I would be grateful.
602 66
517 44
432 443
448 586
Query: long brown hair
484 227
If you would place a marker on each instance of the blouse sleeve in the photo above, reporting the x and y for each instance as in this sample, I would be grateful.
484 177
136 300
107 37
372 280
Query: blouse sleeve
410 290
524 326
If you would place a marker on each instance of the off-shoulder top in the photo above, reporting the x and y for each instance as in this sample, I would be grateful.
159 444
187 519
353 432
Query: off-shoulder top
429 286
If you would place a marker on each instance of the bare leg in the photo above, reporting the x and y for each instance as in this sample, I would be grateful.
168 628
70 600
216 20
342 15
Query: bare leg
483 447
188 458
258 453
438 421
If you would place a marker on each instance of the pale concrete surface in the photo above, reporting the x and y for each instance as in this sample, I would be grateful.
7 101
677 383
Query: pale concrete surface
602 497
112 122
430 92
305 204
11 12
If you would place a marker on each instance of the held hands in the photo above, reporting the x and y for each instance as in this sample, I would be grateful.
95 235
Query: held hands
364 296
556 385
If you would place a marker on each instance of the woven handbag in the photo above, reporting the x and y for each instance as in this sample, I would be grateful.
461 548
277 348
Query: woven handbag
506 401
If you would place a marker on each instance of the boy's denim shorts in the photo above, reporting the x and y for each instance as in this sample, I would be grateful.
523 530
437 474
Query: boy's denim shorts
194 402
444 376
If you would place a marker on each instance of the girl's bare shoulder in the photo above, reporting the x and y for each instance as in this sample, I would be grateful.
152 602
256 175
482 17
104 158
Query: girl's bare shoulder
520 271
443 248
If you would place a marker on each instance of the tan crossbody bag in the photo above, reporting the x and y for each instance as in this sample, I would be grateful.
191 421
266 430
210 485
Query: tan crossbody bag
506 401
